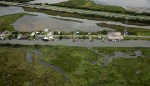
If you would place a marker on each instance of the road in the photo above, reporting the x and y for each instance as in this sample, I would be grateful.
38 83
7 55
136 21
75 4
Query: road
82 43
79 11
95 36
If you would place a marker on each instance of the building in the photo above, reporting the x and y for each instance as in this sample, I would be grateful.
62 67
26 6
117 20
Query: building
46 30
19 37
49 36
34 33
113 36
3 35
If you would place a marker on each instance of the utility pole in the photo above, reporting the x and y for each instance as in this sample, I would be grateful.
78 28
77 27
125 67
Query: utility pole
126 23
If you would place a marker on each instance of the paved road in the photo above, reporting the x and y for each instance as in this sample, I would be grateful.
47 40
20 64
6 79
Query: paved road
80 11
82 43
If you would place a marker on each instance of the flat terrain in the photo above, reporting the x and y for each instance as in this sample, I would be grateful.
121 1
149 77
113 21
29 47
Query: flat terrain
106 15
83 67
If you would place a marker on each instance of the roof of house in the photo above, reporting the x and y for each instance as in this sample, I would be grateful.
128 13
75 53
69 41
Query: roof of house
114 33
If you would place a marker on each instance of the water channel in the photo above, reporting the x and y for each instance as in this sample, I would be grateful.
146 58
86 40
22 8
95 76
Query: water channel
29 57
42 21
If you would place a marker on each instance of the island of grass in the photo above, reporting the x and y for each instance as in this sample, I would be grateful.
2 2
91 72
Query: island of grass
90 5
82 66
6 21
131 30
132 21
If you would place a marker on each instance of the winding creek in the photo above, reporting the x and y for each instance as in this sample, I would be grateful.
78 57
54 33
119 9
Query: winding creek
104 61
29 57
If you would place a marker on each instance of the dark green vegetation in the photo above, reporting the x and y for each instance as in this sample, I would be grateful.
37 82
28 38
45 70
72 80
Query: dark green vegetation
18 0
87 4
66 19
136 38
15 71
131 30
77 63
63 14
7 21
134 21
90 5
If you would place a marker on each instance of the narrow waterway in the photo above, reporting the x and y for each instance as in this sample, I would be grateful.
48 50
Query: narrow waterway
29 57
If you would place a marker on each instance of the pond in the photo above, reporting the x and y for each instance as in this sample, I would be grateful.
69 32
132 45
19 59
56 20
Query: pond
42 21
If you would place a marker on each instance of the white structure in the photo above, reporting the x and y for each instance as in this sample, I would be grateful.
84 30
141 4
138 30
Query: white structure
59 32
46 30
115 36
49 36
77 32
3 35
33 34
19 37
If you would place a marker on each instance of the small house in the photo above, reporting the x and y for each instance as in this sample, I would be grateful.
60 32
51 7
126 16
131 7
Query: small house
113 36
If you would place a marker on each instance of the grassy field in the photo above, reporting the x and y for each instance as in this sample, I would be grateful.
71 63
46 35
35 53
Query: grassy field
90 5
131 30
7 21
136 38
76 62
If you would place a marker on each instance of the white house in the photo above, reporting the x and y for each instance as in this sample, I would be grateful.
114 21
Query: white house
46 30
49 36
115 36
3 35
19 36
33 34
